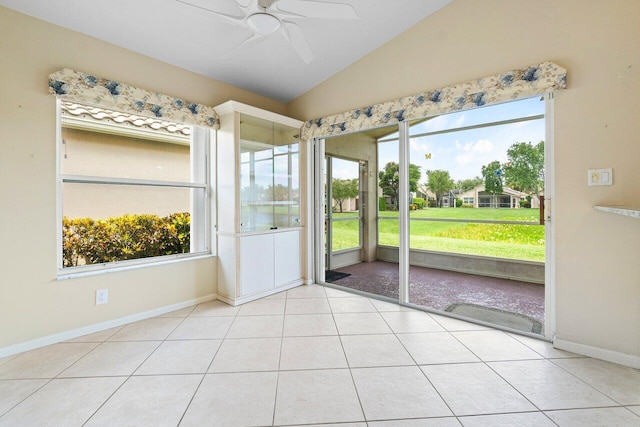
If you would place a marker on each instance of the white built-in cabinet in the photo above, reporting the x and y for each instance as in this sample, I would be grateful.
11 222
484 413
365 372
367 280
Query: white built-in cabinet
259 213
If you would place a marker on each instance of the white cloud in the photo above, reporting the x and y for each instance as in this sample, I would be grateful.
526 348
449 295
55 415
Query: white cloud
471 152
418 146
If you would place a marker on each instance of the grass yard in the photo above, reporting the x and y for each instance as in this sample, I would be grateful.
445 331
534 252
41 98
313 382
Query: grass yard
525 242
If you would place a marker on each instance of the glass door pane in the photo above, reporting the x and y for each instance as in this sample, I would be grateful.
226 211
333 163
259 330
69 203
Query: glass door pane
476 245
355 258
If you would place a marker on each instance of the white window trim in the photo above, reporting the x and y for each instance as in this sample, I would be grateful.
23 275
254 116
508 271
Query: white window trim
205 221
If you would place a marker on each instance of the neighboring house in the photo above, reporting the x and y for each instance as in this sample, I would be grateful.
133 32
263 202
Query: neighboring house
102 142
351 204
479 198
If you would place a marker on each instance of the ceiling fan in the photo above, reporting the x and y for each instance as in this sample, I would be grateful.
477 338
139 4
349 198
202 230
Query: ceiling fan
266 17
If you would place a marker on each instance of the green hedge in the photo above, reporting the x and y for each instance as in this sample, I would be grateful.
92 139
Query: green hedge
87 241
419 201
382 204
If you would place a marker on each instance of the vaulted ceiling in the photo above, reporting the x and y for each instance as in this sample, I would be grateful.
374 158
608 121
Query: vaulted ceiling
312 41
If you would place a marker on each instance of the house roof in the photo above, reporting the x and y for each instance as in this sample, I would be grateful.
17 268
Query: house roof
97 115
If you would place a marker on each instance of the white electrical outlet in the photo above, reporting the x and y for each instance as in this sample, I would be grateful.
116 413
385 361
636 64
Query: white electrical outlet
102 296
600 177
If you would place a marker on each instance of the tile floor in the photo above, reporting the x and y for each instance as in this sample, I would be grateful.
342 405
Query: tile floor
312 356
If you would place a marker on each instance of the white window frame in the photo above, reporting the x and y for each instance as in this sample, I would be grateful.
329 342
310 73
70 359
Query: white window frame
203 235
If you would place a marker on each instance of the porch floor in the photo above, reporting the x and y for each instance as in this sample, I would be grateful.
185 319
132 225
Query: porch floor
441 290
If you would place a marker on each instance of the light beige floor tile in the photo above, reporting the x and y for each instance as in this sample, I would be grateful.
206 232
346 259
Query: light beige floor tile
309 325
308 306
332 425
351 305
202 328
375 350
423 422
398 392
101 336
262 307
620 383
256 327
180 357
337 293
411 321
148 401
548 386
45 362
62 402
384 306
249 354
542 347
239 399
112 359
8 358
436 347
323 352
634 409
474 389
451 324
183 312
13 392
601 417
215 308
322 396
307 291
495 345
278 295
527 419
361 324
155 329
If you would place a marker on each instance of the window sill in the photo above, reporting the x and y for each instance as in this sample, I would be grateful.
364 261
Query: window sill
107 269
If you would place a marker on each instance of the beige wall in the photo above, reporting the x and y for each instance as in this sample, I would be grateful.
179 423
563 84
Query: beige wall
33 303
596 125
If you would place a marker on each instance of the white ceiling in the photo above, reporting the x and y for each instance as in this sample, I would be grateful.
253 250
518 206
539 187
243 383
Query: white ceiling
199 40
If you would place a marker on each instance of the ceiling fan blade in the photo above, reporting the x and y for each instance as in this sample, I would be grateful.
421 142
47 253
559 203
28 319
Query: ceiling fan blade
298 41
254 39
317 9
226 8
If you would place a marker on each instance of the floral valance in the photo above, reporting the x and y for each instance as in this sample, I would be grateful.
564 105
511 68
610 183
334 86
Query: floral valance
80 87
516 84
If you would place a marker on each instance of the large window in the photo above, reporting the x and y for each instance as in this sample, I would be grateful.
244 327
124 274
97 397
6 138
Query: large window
476 178
131 189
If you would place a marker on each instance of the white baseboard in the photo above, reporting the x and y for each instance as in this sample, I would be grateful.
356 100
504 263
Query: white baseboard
598 353
97 327
253 297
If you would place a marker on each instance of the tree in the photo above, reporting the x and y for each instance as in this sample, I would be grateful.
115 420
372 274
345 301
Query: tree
343 189
277 193
389 180
469 184
492 174
439 182
524 171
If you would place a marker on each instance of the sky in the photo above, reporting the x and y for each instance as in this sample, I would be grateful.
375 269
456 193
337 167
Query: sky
463 153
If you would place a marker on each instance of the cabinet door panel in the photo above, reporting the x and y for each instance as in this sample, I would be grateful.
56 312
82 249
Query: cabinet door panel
287 257
256 264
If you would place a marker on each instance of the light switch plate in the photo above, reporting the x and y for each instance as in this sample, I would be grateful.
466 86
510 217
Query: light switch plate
600 177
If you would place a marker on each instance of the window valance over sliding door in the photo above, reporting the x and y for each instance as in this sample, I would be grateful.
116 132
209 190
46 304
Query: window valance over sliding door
512 85
77 86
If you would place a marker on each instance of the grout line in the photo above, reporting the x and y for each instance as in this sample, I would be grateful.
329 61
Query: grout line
134 371
195 392
353 381
275 397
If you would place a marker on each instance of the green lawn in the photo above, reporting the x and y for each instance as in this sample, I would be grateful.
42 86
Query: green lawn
525 242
